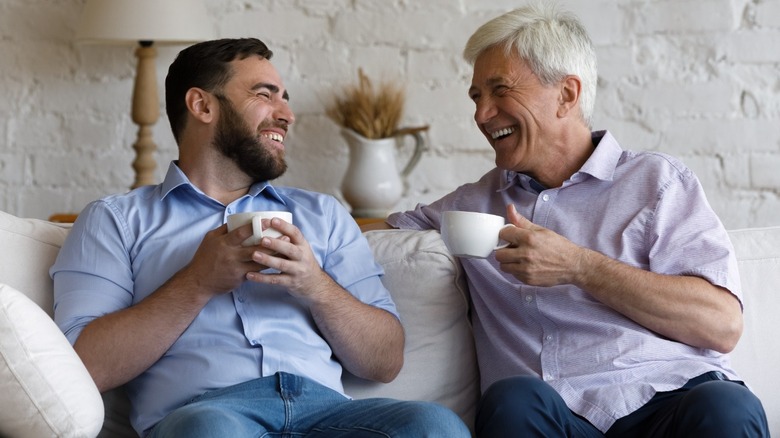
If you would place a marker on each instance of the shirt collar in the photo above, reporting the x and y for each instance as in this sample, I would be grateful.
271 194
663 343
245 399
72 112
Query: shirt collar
175 177
511 178
605 157
266 188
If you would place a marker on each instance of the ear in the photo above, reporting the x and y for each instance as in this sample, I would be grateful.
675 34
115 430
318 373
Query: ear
569 100
201 104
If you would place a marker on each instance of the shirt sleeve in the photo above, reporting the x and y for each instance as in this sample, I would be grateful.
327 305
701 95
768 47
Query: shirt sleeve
686 237
92 274
427 216
476 196
349 260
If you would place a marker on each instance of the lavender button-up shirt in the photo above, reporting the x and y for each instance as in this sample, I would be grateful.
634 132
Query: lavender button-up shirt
645 209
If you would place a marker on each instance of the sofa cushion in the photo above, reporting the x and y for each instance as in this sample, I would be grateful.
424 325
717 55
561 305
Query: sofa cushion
426 284
46 390
29 249
758 255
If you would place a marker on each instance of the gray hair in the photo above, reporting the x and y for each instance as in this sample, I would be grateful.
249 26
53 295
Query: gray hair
553 42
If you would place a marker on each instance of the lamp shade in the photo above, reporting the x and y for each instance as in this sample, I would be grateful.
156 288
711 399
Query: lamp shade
131 21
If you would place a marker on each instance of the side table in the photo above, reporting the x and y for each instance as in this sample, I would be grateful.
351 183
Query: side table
368 220
68 218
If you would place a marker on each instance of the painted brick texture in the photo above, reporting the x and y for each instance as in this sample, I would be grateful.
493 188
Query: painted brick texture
699 79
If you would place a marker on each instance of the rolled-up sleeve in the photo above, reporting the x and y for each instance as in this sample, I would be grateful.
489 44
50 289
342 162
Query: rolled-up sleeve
92 274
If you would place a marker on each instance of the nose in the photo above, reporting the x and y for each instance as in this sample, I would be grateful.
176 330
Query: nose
485 110
283 113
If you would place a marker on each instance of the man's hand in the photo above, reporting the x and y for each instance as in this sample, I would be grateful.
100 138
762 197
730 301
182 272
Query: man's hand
687 309
537 256
221 264
119 346
291 255
368 341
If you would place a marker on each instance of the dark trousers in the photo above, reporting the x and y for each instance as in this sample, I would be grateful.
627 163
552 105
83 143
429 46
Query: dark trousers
707 406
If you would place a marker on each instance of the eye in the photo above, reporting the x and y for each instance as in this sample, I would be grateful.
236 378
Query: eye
264 94
500 89
474 96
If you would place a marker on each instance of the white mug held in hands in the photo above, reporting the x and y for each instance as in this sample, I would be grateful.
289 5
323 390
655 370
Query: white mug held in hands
471 234
256 219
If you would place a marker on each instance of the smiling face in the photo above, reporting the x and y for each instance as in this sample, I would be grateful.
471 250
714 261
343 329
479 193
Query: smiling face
515 112
254 118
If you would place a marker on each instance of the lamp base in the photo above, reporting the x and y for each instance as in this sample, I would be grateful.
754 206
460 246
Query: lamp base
144 163
146 111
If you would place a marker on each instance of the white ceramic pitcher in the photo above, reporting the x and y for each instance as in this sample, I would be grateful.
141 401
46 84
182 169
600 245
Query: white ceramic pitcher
372 184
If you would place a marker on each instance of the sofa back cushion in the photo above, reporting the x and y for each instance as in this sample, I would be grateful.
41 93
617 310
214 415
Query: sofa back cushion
46 390
429 290
29 247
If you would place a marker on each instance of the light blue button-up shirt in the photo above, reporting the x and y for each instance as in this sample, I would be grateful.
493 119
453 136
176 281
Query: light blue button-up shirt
124 247
645 209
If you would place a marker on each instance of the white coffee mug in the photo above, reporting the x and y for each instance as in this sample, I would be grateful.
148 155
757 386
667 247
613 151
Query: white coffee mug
471 234
255 218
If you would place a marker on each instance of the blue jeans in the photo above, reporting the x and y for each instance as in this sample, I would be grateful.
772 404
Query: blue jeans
286 405
707 406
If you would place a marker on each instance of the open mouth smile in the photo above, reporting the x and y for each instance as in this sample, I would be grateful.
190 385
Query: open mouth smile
274 136
501 133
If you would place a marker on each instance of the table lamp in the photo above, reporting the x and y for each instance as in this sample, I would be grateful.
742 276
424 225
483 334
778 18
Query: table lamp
144 23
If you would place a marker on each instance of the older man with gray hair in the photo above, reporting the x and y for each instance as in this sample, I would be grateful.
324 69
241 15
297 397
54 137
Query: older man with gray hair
613 308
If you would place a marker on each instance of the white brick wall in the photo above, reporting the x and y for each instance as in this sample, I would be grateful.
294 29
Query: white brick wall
699 79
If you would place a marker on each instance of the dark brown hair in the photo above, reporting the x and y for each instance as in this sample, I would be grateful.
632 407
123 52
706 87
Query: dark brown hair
206 66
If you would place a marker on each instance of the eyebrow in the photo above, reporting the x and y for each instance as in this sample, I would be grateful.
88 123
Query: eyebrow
271 87
495 80
491 81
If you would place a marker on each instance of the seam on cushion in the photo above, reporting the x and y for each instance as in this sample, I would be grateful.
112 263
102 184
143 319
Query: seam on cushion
458 283
750 230
759 259
30 237
428 246
33 365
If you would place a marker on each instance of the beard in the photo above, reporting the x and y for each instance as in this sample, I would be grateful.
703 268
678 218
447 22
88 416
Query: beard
242 145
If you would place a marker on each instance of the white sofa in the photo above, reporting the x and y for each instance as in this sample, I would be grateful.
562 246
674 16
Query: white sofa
44 390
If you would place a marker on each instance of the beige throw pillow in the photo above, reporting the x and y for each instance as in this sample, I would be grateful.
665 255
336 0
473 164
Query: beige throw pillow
45 390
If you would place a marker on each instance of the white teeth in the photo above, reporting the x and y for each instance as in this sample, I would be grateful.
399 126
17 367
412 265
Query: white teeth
502 132
274 136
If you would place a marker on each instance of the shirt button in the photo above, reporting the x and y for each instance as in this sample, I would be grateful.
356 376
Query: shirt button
529 298
548 337
545 197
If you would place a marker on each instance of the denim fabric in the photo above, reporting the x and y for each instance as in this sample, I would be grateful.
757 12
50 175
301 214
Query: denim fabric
526 406
287 405
707 406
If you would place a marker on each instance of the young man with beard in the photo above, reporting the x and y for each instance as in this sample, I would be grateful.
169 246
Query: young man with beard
614 307
211 338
